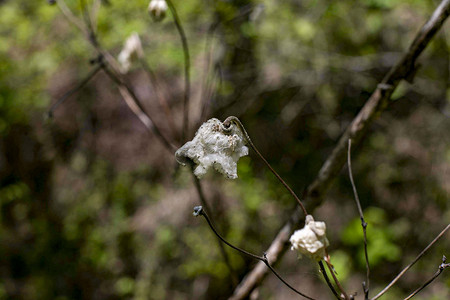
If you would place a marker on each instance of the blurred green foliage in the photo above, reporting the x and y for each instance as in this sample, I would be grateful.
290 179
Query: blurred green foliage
91 206
382 237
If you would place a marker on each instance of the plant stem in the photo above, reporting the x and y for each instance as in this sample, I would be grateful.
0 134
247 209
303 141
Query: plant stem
200 211
336 280
411 263
238 123
366 285
441 268
324 273
202 197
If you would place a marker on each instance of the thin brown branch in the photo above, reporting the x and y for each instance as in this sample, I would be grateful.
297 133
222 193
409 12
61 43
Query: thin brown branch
198 210
412 263
111 68
324 273
336 280
207 209
366 284
441 268
358 129
187 66
136 107
238 123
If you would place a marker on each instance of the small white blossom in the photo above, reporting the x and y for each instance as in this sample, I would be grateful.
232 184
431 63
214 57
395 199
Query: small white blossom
214 146
130 51
157 9
311 239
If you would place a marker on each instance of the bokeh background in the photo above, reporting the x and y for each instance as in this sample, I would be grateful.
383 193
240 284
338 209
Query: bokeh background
93 206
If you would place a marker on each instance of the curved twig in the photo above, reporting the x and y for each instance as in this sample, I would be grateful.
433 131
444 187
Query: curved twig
199 211
411 263
110 67
336 280
238 123
441 268
136 107
357 129
324 273
202 197
366 284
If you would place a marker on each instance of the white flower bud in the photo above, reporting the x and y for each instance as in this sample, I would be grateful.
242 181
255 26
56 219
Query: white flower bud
214 146
130 51
311 239
157 9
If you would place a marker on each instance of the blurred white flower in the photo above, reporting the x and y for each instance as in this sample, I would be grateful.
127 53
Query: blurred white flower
157 9
214 146
130 51
311 239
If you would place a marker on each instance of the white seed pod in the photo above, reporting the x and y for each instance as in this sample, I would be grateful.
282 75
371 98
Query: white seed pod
311 239
130 52
213 146
157 9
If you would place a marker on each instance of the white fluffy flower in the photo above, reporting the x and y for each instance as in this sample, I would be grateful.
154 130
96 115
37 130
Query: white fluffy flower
157 9
213 146
311 239
130 51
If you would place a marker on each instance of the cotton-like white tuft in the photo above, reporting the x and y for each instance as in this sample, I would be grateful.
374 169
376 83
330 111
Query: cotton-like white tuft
213 146
311 239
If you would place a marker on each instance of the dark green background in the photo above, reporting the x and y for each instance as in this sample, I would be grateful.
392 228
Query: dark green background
94 207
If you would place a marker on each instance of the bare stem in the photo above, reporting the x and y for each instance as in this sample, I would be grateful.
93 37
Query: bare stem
412 263
110 67
238 123
202 197
136 107
336 280
324 273
441 268
187 66
357 129
198 210
366 285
